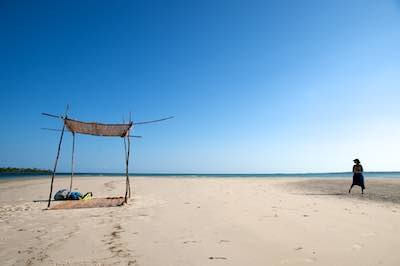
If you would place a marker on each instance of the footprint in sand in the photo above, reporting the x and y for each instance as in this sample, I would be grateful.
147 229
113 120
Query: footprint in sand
110 185
357 246
118 248
297 261
189 241
369 234
310 260
217 258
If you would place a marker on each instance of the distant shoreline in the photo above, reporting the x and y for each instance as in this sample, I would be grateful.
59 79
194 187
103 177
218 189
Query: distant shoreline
15 170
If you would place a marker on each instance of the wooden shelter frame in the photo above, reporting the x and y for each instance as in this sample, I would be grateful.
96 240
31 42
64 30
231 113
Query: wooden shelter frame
127 148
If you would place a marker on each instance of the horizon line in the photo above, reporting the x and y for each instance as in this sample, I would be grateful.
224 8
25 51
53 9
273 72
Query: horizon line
188 173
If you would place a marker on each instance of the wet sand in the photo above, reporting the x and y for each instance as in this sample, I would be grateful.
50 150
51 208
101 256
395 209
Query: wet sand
381 190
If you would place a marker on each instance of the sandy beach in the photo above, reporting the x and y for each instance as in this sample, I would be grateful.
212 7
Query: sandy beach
209 221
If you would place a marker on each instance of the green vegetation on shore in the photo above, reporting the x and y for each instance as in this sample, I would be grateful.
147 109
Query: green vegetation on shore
23 170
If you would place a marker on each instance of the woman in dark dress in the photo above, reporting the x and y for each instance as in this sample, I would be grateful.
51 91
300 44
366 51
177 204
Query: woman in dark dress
358 178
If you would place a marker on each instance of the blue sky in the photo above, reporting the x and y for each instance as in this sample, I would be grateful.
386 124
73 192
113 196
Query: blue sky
256 86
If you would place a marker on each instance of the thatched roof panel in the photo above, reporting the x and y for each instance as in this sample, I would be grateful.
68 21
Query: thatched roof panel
97 129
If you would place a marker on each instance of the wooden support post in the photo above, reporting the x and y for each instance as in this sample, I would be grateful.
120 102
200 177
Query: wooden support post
126 168
129 151
127 159
55 164
72 161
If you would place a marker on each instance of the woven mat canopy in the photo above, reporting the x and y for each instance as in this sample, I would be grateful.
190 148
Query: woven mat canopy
97 129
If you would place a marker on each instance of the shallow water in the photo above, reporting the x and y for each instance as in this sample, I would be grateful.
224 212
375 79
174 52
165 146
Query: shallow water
370 175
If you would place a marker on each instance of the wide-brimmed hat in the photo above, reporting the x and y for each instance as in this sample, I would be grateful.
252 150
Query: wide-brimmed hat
356 160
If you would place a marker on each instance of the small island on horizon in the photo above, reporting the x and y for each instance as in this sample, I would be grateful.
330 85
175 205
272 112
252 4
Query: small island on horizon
23 170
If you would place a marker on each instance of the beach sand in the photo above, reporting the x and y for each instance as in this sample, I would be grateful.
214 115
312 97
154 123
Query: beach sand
209 221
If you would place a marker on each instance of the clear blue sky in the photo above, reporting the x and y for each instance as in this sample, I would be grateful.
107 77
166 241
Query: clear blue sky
256 86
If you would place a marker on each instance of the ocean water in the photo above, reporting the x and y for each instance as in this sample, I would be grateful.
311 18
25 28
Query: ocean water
370 175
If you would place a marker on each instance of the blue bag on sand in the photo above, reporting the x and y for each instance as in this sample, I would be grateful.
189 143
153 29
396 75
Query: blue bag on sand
62 194
74 195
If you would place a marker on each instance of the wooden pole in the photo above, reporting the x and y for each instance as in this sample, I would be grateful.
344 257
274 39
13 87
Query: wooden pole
72 161
127 160
129 183
126 170
55 164
58 155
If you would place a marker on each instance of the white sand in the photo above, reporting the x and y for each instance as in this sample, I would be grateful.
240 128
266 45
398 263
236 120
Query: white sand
174 221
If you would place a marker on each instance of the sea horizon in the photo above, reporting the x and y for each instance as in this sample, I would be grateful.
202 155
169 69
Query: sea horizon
371 174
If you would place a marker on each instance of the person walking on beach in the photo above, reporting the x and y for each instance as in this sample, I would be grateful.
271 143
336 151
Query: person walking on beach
358 177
